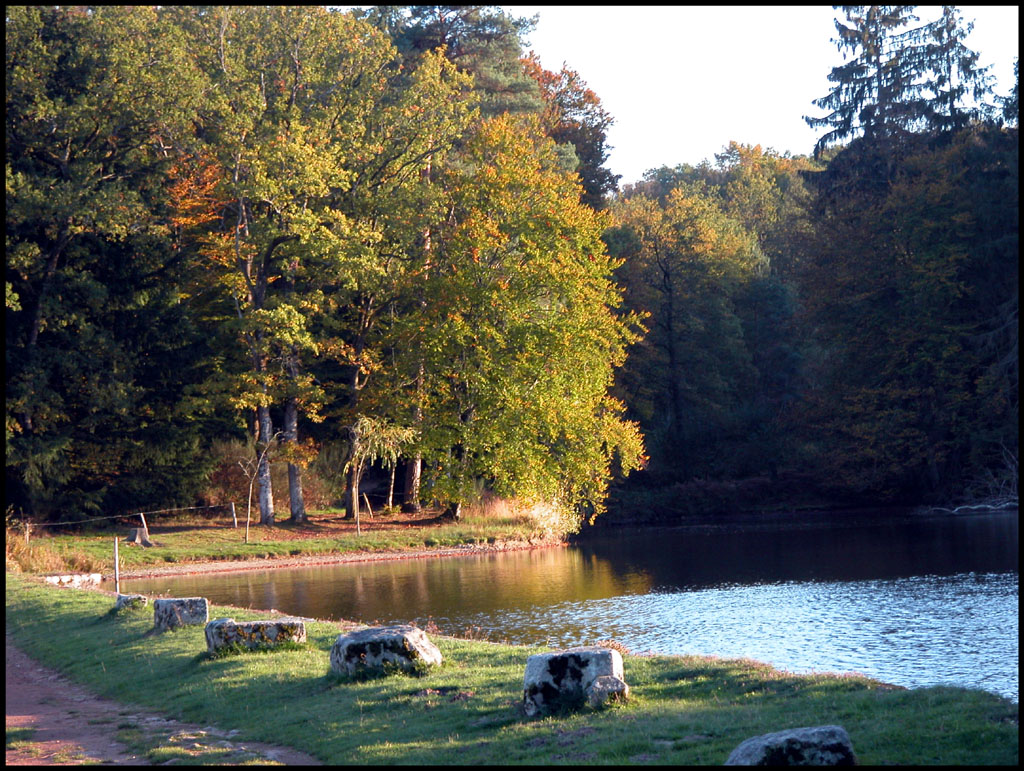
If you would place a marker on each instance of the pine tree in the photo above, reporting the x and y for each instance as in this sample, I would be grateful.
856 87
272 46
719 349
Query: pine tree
574 116
955 74
1011 103
880 92
482 40
912 290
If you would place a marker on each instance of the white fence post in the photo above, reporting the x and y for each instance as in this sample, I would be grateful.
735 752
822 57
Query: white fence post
233 517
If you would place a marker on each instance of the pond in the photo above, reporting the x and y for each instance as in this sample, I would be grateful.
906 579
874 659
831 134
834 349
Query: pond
910 600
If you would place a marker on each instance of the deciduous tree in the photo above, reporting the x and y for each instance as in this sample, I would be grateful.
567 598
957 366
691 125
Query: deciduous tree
520 337
103 348
684 262
316 143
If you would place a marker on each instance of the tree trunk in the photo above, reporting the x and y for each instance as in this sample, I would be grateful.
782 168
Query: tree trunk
252 423
672 343
266 493
413 469
453 511
354 472
290 433
25 417
411 497
48 272
296 505
391 486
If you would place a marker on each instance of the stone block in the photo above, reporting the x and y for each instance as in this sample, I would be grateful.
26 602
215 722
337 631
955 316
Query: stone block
180 611
132 601
223 632
826 745
404 646
562 679
75 580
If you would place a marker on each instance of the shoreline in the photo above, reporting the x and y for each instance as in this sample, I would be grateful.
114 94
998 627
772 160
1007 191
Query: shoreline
345 625
816 517
692 710
737 521
330 558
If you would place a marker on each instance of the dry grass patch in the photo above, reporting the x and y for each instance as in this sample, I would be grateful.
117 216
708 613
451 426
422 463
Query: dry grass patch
43 555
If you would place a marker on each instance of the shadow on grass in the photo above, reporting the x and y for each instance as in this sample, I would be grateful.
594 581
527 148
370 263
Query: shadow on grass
127 613
237 649
18 736
365 674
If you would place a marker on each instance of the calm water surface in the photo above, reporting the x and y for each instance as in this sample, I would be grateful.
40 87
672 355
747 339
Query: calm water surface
914 601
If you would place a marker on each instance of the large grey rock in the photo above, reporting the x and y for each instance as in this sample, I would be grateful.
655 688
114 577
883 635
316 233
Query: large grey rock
826 745
565 679
374 649
131 601
180 611
223 632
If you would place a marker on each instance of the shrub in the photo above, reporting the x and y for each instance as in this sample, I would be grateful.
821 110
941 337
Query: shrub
545 518
41 556
229 483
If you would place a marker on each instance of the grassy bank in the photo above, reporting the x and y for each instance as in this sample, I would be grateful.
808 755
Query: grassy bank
195 540
684 710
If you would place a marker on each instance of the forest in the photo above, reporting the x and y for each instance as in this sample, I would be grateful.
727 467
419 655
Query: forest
314 252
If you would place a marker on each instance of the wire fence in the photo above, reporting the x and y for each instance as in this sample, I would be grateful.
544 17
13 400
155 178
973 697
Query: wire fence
29 526
141 535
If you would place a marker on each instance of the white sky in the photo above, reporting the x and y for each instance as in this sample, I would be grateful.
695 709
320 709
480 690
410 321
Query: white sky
682 81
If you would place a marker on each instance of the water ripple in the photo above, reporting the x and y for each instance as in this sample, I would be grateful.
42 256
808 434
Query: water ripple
919 631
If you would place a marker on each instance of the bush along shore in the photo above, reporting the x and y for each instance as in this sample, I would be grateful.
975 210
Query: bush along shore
682 710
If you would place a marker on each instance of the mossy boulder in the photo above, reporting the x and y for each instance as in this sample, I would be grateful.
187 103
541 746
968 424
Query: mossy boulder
180 611
826 745
566 680
226 632
131 602
378 649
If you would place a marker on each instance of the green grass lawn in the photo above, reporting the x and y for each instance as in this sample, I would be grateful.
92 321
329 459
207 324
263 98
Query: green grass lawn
684 709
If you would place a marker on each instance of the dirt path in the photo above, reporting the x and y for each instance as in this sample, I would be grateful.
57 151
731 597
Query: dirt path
53 722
